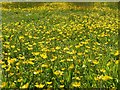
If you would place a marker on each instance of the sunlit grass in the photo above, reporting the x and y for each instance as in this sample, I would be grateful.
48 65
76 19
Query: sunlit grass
60 45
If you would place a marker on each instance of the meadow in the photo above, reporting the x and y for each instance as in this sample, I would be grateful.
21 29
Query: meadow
59 45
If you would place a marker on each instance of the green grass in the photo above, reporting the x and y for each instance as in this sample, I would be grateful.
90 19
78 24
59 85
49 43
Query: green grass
59 45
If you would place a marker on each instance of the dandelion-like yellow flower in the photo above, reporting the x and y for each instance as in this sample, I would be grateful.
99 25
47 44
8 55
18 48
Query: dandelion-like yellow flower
9 67
48 83
77 46
61 86
35 53
12 84
116 53
44 55
66 48
57 47
62 69
79 54
12 46
44 65
22 57
11 74
58 72
21 37
62 60
31 59
71 66
108 64
76 84
30 48
106 77
38 71
102 70
77 78
25 86
95 62
40 85
11 60
61 81
20 80
30 36
30 62
3 84
96 78
54 58
73 52
117 61
74 57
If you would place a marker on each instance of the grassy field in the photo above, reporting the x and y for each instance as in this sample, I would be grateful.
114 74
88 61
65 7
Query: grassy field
59 45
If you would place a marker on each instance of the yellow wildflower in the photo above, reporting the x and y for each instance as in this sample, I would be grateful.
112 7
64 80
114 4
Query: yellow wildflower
48 83
9 67
79 54
96 78
77 78
21 37
61 86
25 86
57 47
62 60
40 85
52 49
35 53
54 58
20 80
116 53
22 57
69 59
58 72
31 59
30 36
30 62
66 48
108 64
74 57
44 65
11 74
102 70
11 60
7 42
38 71
12 46
76 84
117 62
44 55
77 46
71 66
106 77
12 84
95 62
61 81
63 69
30 48
4 84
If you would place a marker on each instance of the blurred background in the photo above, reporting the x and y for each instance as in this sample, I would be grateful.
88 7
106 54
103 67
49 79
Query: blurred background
112 5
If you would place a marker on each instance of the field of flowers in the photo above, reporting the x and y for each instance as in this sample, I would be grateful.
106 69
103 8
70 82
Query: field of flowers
59 45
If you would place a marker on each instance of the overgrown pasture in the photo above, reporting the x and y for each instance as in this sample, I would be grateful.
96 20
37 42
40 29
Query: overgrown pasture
59 45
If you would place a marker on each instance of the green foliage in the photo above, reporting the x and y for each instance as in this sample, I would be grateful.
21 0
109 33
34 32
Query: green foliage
63 47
